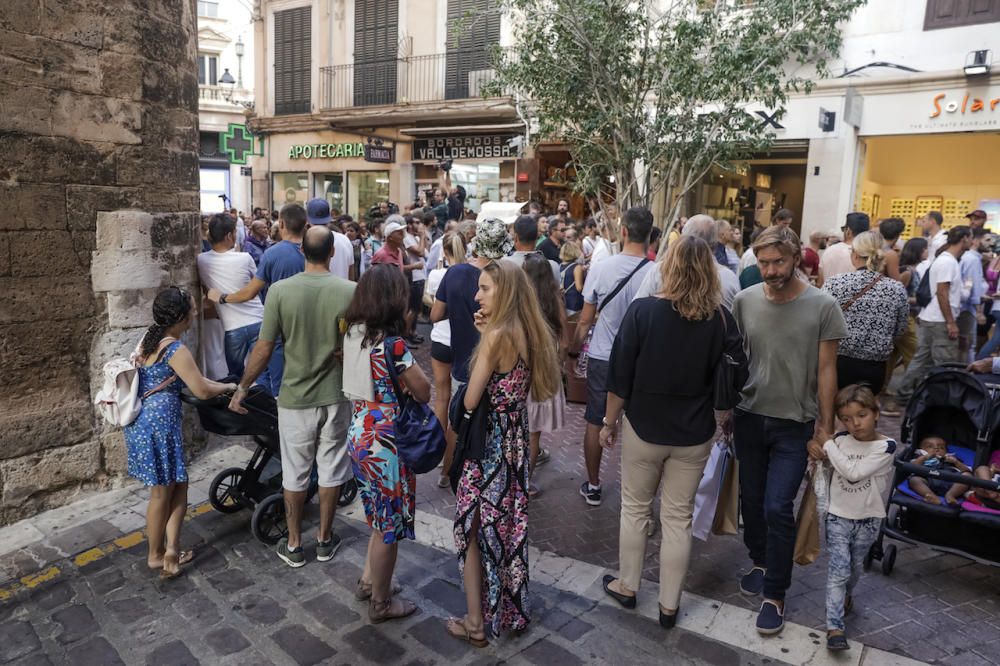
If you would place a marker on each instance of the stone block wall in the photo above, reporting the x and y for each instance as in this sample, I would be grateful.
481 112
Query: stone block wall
99 113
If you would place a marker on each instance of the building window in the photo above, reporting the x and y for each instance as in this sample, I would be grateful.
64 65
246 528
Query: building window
376 37
214 184
468 64
956 13
208 69
208 8
292 60
290 188
366 189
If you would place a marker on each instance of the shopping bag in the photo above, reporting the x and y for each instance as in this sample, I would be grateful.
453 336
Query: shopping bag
707 499
807 528
727 513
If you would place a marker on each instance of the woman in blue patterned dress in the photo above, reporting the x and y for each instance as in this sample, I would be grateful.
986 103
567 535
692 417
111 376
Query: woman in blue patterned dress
386 486
154 440
516 356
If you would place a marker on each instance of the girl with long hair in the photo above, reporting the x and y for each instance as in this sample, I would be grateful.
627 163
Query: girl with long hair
155 441
453 249
669 423
516 356
386 486
547 415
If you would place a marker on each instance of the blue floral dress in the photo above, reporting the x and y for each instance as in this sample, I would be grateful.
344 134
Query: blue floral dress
386 486
496 487
154 440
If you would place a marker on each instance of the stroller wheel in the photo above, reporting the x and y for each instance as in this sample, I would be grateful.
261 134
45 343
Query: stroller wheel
348 493
268 521
223 493
889 560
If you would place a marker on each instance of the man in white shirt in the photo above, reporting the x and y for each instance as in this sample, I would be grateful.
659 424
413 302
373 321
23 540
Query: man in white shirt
342 262
415 242
704 227
937 237
837 259
229 271
937 326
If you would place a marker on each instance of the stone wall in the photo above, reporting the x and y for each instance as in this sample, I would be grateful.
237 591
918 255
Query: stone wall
98 112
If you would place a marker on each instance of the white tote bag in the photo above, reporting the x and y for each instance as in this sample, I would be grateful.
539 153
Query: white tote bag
707 498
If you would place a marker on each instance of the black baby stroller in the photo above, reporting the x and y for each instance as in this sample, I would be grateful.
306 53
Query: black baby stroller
258 485
962 409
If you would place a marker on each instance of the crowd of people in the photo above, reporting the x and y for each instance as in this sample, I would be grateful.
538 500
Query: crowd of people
323 316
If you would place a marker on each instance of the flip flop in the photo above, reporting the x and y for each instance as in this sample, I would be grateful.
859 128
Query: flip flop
457 629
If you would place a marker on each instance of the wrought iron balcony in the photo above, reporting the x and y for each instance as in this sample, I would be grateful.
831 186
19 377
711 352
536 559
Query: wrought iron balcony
457 74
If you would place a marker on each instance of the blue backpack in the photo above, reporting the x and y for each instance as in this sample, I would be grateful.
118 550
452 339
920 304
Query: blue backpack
420 442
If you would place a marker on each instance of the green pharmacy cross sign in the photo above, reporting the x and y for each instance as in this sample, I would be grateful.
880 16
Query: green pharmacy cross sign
238 143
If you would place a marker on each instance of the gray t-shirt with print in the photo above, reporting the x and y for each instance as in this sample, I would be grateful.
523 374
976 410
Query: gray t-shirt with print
602 278
782 343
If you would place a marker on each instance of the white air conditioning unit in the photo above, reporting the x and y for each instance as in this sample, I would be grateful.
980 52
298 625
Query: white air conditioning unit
478 79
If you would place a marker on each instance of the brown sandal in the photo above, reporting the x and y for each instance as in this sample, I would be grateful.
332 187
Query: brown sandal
381 611
363 591
458 629
183 558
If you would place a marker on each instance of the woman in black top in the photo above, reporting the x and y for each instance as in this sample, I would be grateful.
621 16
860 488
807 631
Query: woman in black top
661 373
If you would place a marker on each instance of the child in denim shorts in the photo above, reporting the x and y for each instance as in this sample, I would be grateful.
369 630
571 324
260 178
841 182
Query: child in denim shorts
861 462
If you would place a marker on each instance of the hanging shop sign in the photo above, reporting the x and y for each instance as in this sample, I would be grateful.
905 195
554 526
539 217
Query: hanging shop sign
486 146
375 151
325 150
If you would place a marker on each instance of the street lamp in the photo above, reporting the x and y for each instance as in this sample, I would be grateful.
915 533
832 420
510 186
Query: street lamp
239 61
227 82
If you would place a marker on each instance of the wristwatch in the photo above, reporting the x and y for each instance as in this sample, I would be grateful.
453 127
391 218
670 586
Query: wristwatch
604 420
222 299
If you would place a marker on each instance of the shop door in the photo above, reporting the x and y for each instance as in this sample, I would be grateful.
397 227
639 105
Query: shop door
330 186
366 189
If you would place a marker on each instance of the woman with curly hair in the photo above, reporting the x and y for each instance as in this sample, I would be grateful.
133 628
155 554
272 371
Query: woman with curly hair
516 356
154 440
386 486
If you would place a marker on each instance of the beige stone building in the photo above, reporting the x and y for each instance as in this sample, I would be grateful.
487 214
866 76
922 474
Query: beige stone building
100 104
356 101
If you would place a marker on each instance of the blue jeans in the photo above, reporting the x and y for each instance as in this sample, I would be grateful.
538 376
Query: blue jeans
993 343
847 542
772 456
238 343
275 369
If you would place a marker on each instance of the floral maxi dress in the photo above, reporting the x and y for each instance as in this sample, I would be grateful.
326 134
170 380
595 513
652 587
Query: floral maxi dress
496 487
386 486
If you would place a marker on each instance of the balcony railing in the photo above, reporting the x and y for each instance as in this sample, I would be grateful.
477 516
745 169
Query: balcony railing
457 74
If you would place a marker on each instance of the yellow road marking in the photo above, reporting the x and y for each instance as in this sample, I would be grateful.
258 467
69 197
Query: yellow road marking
34 580
129 540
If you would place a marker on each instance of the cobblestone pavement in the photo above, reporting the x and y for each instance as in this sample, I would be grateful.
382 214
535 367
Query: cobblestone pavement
935 607
238 604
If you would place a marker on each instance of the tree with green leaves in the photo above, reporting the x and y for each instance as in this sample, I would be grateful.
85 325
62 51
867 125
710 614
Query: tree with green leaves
650 95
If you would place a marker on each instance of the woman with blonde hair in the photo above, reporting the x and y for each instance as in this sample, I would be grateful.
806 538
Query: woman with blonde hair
875 308
516 357
572 272
669 423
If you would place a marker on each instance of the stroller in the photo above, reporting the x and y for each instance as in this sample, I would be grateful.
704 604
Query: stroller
258 485
963 409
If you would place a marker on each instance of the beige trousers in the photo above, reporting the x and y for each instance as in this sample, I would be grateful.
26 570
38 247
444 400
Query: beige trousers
644 466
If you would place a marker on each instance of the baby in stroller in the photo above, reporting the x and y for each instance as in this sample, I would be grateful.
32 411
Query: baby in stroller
933 454
989 472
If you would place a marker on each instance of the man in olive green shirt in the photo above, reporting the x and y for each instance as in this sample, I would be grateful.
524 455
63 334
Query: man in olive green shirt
313 414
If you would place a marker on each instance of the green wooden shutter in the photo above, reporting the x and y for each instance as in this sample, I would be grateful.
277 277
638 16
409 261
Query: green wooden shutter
473 28
376 37
292 60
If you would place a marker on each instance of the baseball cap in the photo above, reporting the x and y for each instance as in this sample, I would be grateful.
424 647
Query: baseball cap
392 224
977 213
318 211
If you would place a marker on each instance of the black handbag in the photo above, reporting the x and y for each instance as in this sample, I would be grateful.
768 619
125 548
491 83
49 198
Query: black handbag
731 372
470 429
420 441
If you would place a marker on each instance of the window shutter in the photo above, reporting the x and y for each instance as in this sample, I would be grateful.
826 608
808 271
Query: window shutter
376 30
292 60
473 28
957 13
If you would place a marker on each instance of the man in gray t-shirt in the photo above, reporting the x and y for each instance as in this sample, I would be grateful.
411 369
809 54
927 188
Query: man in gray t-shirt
627 269
791 331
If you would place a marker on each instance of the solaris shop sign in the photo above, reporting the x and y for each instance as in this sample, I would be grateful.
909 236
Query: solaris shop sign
326 150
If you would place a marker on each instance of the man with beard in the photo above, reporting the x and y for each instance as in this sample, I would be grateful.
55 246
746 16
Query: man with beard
791 332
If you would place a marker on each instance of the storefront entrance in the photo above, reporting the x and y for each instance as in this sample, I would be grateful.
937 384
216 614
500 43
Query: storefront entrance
907 176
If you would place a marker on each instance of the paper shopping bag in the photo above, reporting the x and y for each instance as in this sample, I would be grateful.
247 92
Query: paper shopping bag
807 528
707 498
727 513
